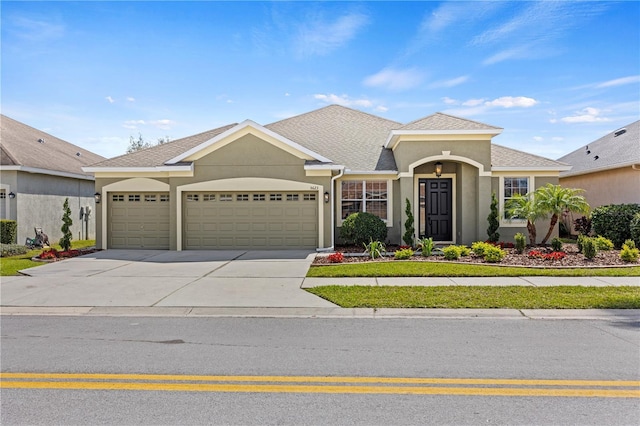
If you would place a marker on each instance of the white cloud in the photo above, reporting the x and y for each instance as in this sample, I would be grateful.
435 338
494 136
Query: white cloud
35 29
473 102
450 83
538 138
131 99
344 100
619 81
319 37
133 124
110 99
287 94
163 124
449 101
382 108
511 101
557 138
394 79
586 115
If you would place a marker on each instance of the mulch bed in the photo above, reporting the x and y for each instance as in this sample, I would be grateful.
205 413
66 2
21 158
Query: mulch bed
573 258
53 255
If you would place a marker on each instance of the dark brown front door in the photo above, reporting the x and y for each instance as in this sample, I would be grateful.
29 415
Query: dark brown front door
435 209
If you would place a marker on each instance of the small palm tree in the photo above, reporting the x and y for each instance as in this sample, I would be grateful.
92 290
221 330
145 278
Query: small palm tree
555 200
525 207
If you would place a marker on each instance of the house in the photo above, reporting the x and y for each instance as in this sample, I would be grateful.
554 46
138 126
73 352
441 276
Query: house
37 173
289 184
608 169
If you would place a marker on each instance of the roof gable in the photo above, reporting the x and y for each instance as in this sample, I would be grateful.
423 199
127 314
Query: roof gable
509 159
241 129
444 122
616 149
31 149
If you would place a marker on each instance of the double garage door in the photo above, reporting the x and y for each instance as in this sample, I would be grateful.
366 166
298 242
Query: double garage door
215 220
250 220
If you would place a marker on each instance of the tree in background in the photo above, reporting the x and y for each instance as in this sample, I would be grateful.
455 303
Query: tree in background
140 143
494 224
556 200
65 241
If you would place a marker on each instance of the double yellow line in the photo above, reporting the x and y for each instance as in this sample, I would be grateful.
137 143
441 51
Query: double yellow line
321 384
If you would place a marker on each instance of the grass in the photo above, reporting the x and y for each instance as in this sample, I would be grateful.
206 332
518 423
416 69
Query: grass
513 297
437 269
12 264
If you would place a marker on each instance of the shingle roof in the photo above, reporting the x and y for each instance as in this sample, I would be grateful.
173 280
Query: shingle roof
440 121
501 156
346 136
25 146
157 155
608 152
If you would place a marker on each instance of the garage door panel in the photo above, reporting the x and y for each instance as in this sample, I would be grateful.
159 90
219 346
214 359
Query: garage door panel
138 220
251 220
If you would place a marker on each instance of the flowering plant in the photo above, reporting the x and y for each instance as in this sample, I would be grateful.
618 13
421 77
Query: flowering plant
554 255
336 257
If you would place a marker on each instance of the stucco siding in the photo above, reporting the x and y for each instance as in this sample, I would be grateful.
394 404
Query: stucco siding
409 151
616 186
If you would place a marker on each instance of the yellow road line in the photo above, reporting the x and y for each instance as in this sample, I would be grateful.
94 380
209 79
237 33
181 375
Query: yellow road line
409 390
322 379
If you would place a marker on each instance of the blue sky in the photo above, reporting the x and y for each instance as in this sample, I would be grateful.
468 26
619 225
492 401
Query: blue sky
554 75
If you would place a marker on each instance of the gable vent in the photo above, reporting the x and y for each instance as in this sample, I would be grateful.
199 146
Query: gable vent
41 140
77 154
596 157
619 132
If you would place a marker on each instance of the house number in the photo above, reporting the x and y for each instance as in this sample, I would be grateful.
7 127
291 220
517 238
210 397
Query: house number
313 187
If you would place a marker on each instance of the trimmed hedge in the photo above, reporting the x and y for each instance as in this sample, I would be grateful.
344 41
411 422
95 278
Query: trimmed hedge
360 228
8 231
614 221
7 250
635 229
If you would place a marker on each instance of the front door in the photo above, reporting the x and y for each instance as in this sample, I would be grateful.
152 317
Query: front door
435 205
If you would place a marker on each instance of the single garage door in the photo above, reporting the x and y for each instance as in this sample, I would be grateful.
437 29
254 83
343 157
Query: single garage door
139 220
250 220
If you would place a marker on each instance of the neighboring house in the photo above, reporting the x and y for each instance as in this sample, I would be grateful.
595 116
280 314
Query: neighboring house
290 184
608 169
37 173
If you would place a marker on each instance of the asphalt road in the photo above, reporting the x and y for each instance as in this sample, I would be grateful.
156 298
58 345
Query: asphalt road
318 371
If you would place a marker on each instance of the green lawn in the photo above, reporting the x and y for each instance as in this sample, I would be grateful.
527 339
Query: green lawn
444 269
513 297
11 265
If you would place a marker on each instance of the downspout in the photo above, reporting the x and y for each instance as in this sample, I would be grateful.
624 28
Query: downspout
333 208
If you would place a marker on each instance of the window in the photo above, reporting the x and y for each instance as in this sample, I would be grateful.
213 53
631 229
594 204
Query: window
364 196
208 197
134 197
242 197
150 198
309 197
117 197
292 197
226 197
259 197
3 194
513 186
164 198
192 197
275 197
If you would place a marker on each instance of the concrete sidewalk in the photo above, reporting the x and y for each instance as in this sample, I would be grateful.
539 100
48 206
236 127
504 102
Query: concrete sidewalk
475 281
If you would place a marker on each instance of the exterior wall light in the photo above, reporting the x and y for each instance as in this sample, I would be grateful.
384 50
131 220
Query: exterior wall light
97 196
12 195
326 197
438 169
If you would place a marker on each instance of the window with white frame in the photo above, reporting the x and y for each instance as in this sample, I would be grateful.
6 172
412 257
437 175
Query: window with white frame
512 187
364 196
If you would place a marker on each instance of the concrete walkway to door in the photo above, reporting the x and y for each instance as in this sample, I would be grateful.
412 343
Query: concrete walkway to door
158 278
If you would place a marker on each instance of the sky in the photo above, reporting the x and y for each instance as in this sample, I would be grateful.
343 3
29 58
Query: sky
556 75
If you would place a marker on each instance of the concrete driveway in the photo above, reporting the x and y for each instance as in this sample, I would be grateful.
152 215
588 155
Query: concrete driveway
146 278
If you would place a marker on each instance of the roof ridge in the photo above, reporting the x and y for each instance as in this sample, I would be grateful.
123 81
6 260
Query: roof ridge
528 153
455 117
332 106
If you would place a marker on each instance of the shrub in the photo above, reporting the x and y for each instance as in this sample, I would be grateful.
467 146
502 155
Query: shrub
521 242
494 254
556 244
629 252
426 246
8 231
451 252
579 241
336 257
65 241
614 221
494 224
589 248
635 229
375 249
582 225
479 247
603 243
464 250
403 254
7 250
409 230
360 228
